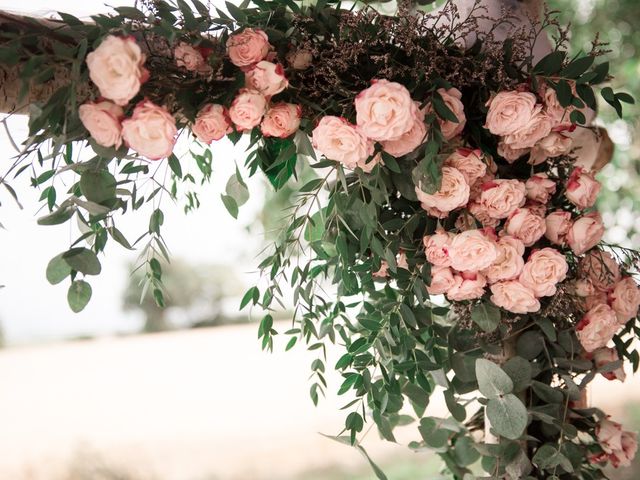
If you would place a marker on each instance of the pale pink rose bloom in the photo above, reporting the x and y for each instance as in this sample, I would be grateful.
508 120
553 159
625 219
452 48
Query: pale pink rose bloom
476 187
625 456
526 226
247 47
383 271
452 99
582 188
553 145
469 162
620 446
544 269
247 109
583 288
609 435
539 209
190 58
102 120
605 356
402 261
151 131
442 281
601 269
540 188
437 248
594 300
465 221
385 111
538 127
514 297
558 225
466 286
597 327
212 123
410 140
300 59
509 112
434 212
625 299
338 140
453 193
585 233
281 120
509 153
500 198
480 213
559 114
509 263
117 68
267 78
472 251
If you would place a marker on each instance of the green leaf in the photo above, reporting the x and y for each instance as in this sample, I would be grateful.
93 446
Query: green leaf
577 67
252 295
547 458
465 452
442 109
564 93
237 189
379 473
155 221
230 204
57 270
551 63
508 416
83 260
492 380
175 166
626 98
530 345
236 13
78 295
64 213
98 187
486 315
519 371
119 237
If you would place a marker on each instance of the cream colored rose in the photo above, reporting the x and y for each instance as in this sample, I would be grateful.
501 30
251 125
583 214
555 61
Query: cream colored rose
510 112
624 457
538 127
585 233
540 188
509 153
469 163
509 262
436 248
117 68
466 286
267 78
337 139
472 251
601 269
625 299
385 111
597 327
583 288
247 47
247 109
281 120
453 193
582 188
151 131
442 281
544 269
500 198
452 99
526 226
212 123
300 59
605 356
102 120
190 58
410 140
514 297
558 224
609 435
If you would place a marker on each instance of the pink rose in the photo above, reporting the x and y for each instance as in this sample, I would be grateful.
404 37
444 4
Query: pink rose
625 456
300 59
625 299
585 233
543 271
540 188
509 262
452 99
212 123
526 226
442 281
466 286
538 127
509 153
472 251
453 193
597 327
601 269
281 120
481 214
604 356
436 248
582 188
117 68
337 139
583 288
151 131
558 224
247 109
469 163
510 112
514 297
555 111
190 58
267 78
410 140
385 111
247 47
553 145
594 300
383 271
102 120
500 198
539 209
620 447
609 435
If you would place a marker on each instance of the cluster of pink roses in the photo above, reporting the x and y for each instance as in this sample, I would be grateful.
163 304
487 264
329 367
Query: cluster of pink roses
618 446
385 113
117 69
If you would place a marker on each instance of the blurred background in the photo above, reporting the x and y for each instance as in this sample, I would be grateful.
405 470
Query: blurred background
127 391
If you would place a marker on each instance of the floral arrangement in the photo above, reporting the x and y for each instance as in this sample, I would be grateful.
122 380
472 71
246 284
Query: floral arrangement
451 243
